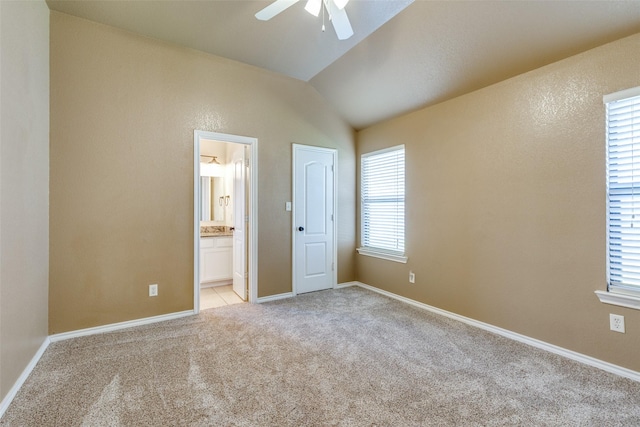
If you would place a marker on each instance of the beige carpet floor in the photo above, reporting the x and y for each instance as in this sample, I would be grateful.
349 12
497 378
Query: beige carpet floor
345 357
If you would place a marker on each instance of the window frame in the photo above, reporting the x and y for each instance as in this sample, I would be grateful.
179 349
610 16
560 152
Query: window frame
621 294
373 251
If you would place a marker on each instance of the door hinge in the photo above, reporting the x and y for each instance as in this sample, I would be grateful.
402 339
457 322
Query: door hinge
332 266
331 168
331 217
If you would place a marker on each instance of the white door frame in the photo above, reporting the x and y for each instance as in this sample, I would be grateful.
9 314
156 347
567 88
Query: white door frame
239 247
294 227
252 212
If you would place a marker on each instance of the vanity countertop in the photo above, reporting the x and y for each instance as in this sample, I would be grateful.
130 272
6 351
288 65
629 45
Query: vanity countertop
215 231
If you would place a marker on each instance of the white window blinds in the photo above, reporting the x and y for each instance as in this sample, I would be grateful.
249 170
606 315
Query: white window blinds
623 190
382 200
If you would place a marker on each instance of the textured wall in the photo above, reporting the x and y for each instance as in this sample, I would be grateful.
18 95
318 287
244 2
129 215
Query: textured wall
24 185
506 204
123 112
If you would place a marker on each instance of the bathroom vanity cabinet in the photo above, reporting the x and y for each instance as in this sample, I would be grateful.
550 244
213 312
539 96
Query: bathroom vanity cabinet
216 259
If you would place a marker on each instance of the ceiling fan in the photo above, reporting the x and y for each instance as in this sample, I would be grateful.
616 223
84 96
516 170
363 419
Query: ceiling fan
334 8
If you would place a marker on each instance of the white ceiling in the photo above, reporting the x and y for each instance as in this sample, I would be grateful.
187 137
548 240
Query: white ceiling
403 55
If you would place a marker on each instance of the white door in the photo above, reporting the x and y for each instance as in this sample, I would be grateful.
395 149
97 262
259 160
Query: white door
239 224
313 219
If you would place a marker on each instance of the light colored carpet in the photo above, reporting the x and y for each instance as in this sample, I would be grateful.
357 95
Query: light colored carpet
345 357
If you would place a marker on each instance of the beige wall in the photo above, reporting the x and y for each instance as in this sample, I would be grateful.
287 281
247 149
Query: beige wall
506 204
24 185
123 112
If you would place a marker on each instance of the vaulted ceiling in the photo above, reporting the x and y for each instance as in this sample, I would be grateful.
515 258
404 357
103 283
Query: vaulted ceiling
404 55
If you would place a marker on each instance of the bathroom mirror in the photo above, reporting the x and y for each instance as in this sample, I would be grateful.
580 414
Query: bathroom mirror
212 199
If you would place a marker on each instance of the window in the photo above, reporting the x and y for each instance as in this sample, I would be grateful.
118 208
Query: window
382 204
623 192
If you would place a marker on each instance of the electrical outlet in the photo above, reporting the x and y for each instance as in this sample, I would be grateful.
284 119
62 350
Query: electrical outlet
153 290
412 277
616 323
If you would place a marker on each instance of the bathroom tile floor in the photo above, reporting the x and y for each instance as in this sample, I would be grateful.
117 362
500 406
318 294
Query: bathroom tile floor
218 296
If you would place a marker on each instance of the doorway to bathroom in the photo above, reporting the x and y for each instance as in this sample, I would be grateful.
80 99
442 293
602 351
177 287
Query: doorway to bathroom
225 232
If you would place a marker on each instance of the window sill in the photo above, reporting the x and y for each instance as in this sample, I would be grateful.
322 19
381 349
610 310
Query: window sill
621 300
382 255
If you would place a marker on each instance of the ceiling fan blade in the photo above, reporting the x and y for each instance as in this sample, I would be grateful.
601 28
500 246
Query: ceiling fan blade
275 8
340 4
341 23
313 7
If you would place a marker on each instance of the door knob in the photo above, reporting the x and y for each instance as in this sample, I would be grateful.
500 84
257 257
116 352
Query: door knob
300 228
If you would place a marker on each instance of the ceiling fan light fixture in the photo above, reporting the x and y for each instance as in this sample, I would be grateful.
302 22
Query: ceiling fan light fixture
337 16
313 7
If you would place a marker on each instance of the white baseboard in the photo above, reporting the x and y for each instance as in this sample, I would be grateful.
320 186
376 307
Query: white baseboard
569 354
290 294
345 285
23 377
274 297
215 284
117 326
